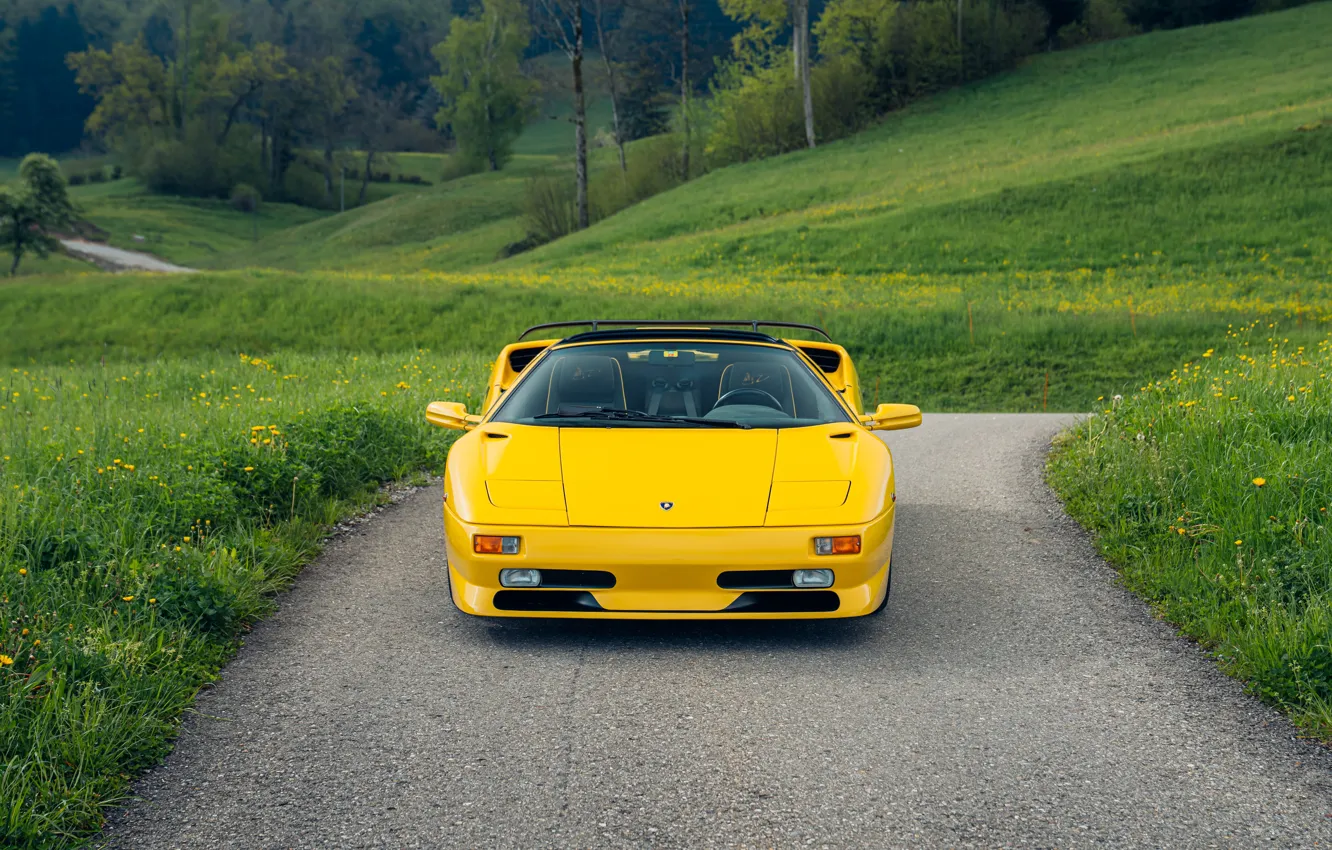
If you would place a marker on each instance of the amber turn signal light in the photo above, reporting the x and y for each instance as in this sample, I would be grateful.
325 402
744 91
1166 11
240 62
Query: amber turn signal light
837 545
483 544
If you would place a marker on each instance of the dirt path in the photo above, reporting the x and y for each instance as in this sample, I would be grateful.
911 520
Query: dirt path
1012 696
118 259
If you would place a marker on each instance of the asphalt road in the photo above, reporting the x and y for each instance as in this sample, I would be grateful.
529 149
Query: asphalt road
118 259
1013 695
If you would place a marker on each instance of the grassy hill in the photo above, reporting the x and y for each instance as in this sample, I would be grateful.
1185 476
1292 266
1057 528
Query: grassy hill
1042 240
1035 240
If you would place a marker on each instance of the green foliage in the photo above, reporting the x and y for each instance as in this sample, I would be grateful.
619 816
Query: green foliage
487 99
759 113
29 211
245 198
910 50
1210 490
149 514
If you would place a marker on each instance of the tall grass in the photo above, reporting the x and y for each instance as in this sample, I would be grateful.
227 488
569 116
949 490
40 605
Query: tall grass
149 511
1210 490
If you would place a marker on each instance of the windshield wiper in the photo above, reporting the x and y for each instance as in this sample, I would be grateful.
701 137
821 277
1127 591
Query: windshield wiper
613 415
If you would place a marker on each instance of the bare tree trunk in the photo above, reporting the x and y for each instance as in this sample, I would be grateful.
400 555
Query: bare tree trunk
328 171
185 66
611 82
800 33
580 116
365 178
684 87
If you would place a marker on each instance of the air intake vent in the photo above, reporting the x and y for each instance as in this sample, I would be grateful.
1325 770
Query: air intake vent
828 361
520 357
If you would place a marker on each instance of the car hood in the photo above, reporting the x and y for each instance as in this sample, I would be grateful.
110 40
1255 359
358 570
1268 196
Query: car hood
635 477
667 477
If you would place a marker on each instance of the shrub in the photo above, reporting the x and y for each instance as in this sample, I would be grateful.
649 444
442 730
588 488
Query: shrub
198 166
245 198
762 114
116 172
77 179
549 207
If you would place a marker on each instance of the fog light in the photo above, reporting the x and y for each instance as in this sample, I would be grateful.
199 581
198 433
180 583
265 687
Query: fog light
837 545
487 545
812 578
521 578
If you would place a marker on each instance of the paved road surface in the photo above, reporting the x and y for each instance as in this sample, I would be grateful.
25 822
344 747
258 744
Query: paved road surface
1013 696
118 259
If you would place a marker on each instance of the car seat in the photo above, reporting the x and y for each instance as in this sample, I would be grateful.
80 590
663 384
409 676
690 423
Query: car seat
586 380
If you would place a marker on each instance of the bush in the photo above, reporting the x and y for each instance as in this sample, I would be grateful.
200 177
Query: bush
245 198
116 172
1102 20
549 207
198 166
762 114
77 179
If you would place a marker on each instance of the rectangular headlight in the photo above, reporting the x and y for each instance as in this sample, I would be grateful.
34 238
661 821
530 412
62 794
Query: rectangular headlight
837 545
520 578
812 578
484 544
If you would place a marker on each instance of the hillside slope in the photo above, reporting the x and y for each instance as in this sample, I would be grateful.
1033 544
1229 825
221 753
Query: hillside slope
1060 117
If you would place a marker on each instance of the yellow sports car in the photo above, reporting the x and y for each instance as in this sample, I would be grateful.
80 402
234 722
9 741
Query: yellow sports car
654 470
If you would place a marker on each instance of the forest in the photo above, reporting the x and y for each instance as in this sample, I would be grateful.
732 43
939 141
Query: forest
273 98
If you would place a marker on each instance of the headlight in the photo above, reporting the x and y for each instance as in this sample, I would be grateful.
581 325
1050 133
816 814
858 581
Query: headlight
520 578
812 578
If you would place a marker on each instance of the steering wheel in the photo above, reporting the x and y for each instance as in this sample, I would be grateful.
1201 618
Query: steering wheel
761 397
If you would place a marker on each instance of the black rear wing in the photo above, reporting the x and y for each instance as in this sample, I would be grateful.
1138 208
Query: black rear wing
753 324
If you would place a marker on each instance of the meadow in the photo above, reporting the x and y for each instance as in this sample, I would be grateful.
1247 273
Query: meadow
1044 240
1209 489
150 511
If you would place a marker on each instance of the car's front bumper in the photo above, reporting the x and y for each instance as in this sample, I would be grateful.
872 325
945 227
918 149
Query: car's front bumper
669 573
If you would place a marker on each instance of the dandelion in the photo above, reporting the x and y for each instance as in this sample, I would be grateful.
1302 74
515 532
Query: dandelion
249 469
127 599
152 600
23 571
1290 398
37 642
5 661
1259 482
1239 542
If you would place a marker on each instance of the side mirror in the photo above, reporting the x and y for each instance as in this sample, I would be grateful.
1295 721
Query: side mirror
450 414
892 417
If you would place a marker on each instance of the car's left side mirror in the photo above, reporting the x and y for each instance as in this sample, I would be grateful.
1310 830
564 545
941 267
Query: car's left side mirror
450 414
892 417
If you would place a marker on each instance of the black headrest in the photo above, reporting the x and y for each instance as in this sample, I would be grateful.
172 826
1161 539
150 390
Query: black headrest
586 376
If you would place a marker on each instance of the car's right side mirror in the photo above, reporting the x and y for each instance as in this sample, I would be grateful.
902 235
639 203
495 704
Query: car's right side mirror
892 417
450 414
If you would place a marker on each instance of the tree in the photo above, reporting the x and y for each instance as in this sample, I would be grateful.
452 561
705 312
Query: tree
487 100
562 22
601 10
763 18
38 205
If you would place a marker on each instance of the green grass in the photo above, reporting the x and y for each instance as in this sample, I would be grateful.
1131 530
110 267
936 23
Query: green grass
149 513
1062 116
1042 240
188 231
1210 490
463 222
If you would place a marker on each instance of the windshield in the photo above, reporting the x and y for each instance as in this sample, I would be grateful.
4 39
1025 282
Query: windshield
690 384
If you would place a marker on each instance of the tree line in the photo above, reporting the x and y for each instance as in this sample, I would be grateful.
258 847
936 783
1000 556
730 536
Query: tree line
200 97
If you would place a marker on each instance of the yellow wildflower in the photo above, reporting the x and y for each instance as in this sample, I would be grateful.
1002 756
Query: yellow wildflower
1259 482
127 599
